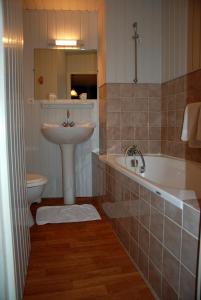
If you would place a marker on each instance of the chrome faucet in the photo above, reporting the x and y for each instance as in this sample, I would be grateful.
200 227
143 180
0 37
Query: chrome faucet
68 123
132 151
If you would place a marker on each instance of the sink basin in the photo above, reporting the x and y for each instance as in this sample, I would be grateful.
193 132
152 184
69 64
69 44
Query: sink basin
68 135
68 138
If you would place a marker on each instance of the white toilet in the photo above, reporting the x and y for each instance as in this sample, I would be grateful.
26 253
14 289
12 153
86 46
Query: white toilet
35 187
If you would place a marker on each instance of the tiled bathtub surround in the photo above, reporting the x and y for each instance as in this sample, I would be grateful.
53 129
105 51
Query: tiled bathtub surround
149 115
175 95
130 114
161 239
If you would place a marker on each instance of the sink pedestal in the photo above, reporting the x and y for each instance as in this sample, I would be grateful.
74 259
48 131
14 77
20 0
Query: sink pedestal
68 151
68 138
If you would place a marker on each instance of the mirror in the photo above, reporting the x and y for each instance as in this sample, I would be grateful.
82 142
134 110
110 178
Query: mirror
66 74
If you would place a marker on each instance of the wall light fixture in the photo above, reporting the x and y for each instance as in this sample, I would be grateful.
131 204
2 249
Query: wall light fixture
66 43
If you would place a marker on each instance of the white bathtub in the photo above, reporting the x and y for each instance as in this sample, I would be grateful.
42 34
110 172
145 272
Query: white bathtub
176 180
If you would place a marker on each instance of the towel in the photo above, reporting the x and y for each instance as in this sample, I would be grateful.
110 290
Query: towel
190 125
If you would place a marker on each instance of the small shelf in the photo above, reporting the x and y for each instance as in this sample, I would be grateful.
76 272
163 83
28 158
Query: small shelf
64 104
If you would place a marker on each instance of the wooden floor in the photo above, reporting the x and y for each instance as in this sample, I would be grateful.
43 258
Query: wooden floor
80 261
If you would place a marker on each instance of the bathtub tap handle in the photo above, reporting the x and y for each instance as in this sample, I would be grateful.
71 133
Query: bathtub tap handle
143 167
132 151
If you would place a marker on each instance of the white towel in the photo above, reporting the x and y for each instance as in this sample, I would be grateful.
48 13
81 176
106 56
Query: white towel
190 125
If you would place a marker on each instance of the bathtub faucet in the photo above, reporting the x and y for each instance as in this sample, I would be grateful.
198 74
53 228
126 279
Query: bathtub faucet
132 151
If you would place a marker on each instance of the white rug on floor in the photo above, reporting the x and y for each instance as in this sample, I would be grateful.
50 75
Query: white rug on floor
66 214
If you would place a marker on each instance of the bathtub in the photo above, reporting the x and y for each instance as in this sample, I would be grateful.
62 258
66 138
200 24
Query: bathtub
176 180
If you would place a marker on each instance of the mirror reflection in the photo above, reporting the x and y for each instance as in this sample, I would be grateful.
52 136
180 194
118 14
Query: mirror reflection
65 74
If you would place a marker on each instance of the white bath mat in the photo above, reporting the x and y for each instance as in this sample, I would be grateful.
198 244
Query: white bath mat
66 214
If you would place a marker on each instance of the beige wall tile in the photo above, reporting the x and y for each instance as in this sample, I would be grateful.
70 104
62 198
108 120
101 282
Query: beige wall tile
144 239
156 252
171 102
127 104
154 90
155 147
113 119
155 119
141 133
114 147
191 220
189 251
127 133
143 263
187 285
126 119
171 270
113 105
173 212
167 291
157 223
154 133
155 279
141 104
135 229
157 202
134 250
145 194
140 118
145 213
172 237
181 101
113 133
141 90
126 90
112 90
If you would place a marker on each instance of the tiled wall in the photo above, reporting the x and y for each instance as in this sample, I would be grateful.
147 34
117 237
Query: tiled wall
130 114
175 95
161 239
149 115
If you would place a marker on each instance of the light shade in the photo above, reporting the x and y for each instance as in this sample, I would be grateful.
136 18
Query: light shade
73 93
66 43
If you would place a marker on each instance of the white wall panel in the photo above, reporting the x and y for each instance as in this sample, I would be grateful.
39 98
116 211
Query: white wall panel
175 48
45 158
16 197
120 16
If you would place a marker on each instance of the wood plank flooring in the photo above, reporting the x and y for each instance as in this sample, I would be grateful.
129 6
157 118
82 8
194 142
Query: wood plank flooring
80 261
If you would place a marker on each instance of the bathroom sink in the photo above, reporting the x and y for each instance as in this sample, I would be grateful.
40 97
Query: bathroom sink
77 134
68 138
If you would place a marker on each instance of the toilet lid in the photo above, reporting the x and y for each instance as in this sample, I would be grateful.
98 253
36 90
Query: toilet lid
35 179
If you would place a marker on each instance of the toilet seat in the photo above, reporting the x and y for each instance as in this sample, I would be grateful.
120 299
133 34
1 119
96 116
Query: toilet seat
35 180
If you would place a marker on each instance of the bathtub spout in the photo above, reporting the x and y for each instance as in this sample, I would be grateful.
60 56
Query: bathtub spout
133 150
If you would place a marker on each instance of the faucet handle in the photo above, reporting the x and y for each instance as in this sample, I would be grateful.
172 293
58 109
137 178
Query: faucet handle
68 113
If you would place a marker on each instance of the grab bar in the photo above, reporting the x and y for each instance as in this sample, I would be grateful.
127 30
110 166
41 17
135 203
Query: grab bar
135 37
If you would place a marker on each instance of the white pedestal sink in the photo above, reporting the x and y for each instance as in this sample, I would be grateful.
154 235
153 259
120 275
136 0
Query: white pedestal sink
67 138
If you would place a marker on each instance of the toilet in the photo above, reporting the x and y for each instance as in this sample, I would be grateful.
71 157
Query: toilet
35 187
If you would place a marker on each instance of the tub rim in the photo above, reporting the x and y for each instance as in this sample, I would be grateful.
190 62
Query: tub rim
110 159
